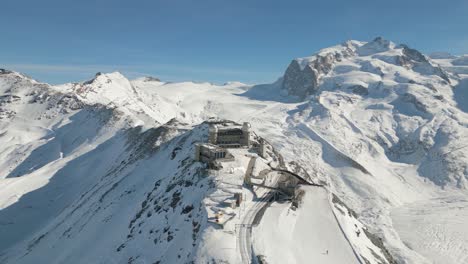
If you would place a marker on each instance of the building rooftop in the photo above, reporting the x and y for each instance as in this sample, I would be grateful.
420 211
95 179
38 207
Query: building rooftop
228 127
210 146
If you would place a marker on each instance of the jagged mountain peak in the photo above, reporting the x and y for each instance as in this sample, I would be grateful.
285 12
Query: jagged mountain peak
328 54
105 78
349 48
151 79
110 86
379 57
5 71
377 45
17 76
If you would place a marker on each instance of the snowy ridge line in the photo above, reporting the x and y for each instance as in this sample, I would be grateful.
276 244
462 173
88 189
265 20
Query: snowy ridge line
267 202
245 241
330 203
314 135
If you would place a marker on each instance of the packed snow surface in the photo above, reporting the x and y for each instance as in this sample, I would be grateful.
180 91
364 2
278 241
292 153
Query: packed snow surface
310 232
436 228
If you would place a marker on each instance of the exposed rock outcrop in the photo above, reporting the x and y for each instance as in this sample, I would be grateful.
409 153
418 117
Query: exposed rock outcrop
300 82
419 63
302 77
3 71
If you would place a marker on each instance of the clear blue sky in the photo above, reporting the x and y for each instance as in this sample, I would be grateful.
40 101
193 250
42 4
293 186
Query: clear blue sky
218 40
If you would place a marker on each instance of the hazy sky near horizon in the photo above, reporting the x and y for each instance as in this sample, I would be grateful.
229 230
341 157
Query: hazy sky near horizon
251 41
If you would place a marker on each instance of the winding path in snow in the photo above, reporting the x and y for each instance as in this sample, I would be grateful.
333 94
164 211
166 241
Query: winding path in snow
244 235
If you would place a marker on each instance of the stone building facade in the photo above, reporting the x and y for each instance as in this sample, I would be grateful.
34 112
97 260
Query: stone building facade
225 135
230 136
206 152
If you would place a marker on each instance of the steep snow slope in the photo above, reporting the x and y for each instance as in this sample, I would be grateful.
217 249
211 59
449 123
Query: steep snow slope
76 178
114 91
133 197
308 233
410 97
382 125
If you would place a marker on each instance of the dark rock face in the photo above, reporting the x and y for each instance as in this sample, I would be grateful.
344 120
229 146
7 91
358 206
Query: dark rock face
304 82
411 98
359 89
324 64
3 71
301 83
413 54
419 63
152 79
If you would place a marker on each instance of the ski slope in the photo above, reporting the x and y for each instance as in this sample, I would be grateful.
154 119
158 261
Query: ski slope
303 235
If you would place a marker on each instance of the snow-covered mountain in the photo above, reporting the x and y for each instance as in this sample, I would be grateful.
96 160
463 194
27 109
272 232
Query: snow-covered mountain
411 95
103 171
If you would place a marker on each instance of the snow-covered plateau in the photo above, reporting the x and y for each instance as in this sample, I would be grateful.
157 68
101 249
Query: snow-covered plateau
103 171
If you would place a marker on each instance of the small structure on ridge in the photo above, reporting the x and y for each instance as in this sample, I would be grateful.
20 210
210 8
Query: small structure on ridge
225 135
230 135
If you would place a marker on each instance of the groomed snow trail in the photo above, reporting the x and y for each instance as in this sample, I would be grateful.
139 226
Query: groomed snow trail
244 236
310 234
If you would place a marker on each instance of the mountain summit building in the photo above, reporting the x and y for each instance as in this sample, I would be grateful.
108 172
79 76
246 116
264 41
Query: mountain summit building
224 135
230 136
